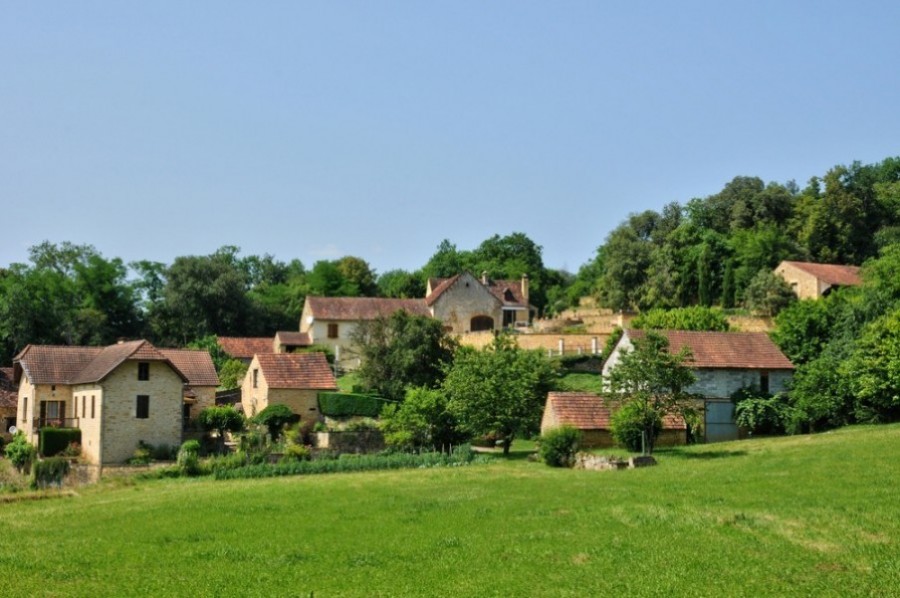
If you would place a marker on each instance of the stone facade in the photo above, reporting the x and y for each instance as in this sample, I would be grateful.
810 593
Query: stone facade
256 395
804 284
466 300
722 383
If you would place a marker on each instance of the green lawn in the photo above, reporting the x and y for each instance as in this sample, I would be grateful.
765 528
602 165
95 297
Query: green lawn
581 382
811 515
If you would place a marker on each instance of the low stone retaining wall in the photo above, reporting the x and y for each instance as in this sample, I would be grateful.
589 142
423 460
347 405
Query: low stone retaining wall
602 463
368 441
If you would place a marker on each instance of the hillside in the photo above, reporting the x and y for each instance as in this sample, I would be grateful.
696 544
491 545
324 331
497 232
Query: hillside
797 515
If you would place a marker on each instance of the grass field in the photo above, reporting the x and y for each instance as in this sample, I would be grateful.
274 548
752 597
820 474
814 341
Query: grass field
810 515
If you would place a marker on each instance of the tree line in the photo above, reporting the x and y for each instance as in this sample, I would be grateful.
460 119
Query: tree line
73 295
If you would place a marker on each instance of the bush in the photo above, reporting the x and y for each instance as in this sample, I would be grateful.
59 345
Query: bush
345 404
694 317
73 451
20 452
296 452
275 417
189 458
558 446
761 414
49 472
628 424
55 440
142 454
163 452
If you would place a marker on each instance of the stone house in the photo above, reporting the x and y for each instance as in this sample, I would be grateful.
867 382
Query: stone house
8 401
117 395
331 321
468 304
292 379
723 362
245 347
811 281
590 413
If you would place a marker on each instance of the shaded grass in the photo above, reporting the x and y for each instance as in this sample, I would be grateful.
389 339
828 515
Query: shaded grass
812 515
581 382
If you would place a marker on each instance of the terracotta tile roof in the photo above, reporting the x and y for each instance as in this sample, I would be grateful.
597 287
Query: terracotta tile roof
196 365
9 395
292 339
438 287
113 356
241 347
508 291
297 370
587 411
833 274
731 350
51 364
362 308
47 364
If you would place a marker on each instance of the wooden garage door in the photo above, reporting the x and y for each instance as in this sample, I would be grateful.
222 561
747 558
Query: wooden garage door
720 424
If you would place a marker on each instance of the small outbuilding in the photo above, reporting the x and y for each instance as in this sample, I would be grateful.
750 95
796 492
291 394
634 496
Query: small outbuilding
809 280
291 379
590 414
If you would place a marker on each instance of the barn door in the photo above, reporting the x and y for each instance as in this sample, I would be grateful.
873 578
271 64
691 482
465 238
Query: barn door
720 424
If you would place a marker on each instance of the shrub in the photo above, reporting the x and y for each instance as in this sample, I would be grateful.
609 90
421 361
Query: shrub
296 452
559 445
189 458
142 454
221 419
55 440
20 452
73 451
629 422
696 317
762 414
275 417
49 472
163 452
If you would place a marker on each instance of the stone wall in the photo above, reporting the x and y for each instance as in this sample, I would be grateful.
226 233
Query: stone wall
722 383
121 429
463 301
804 284
572 344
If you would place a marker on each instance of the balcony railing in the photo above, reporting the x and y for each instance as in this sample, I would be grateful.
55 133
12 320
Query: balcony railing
55 422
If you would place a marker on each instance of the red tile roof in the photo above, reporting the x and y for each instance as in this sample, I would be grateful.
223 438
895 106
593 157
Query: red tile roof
833 274
297 370
197 366
726 350
245 347
52 364
587 411
362 308
113 356
292 339
9 395
438 287
45 364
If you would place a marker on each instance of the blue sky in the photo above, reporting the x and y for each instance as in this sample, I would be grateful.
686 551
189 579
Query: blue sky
316 130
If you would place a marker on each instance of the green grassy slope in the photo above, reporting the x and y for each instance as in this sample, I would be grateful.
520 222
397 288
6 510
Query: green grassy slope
812 515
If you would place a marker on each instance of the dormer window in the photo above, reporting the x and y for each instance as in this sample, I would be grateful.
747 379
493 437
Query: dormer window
143 370
508 295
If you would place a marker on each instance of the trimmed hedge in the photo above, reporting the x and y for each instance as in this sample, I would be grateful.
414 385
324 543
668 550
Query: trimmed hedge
461 456
55 440
346 404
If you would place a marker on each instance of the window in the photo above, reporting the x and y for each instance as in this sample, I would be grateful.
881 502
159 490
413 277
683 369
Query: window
84 406
764 382
255 378
143 407
143 370
332 331
93 405
24 409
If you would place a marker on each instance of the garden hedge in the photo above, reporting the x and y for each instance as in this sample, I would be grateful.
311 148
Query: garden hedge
55 440
346 404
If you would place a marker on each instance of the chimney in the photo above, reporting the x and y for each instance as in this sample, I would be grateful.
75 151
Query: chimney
484 278
525 289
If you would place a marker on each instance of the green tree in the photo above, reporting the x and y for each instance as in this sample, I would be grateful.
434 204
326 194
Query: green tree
767 294
232 373
275 418
401 284
653 381
358 273
499 390
402 351
423 420
872 371
682 318
802 329
326 280
221 420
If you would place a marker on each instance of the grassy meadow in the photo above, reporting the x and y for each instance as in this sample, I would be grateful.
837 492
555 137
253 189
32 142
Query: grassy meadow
807 515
